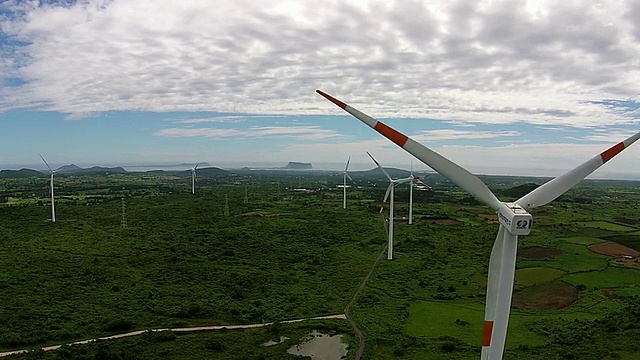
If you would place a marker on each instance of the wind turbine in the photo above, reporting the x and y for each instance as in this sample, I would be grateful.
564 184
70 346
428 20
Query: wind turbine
345 175
389 194
53 206
514 218
414 181
193 178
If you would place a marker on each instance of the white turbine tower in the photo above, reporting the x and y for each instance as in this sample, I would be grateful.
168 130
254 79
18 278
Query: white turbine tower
514 219
193 178
345 175
53 205
389 195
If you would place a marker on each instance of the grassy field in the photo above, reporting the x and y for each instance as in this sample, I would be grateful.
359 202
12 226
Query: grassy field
283 255
536 275
607 226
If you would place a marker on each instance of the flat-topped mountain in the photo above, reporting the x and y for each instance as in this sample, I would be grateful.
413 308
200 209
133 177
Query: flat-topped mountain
294 165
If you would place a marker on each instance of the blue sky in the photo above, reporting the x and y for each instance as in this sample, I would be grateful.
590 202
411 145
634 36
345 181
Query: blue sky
520 87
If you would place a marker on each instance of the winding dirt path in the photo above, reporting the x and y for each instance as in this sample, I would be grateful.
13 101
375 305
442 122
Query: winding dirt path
176 330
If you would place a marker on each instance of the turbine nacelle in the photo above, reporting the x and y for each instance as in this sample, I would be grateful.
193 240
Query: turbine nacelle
515 219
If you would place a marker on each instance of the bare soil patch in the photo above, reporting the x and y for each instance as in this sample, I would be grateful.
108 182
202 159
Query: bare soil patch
553 295
626 221
538 253
613 249
489 218
439 221
445 222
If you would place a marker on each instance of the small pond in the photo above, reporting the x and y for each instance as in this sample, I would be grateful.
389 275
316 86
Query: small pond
320 346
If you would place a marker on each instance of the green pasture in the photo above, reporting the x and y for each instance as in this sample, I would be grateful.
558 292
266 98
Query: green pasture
464 320
612 277
606 226
537 275
575 259
581 240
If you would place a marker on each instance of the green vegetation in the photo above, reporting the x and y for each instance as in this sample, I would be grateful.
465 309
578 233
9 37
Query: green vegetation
285 254
537 275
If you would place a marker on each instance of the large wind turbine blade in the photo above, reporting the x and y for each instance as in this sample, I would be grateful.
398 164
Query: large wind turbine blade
380 167
349 177
347 167
439 163
558 186
46 163
196 167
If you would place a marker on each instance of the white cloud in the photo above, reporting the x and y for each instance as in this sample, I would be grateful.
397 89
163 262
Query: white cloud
479 61
296 132
451 134
228 119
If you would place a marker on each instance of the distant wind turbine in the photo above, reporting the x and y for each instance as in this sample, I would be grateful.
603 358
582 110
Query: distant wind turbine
345 175
514 218
193 178
53 205
390 195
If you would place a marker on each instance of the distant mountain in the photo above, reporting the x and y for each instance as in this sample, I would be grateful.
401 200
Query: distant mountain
207 171
20 174
74 169
68 169
294 165
375 172
211 171
200 164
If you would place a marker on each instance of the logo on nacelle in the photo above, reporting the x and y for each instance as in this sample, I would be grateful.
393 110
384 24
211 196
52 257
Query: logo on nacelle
522 224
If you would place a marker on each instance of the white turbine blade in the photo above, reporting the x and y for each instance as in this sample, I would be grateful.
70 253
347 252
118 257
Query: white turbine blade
493 282
403 181
46 163
347 167
349 177
558 186
386 196
380 167
195 167
439 163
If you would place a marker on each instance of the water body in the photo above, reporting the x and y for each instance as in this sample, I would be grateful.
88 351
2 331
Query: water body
273 343
320 346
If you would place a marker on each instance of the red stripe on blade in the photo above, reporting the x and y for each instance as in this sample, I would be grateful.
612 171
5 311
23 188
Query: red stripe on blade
486 337
391 134
332 99
611 152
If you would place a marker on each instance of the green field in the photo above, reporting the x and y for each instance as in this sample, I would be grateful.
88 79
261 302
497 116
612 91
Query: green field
613 277
465 320
537 275
283 255
607 226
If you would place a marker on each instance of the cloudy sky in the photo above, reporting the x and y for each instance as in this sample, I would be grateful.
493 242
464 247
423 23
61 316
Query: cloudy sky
521 87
